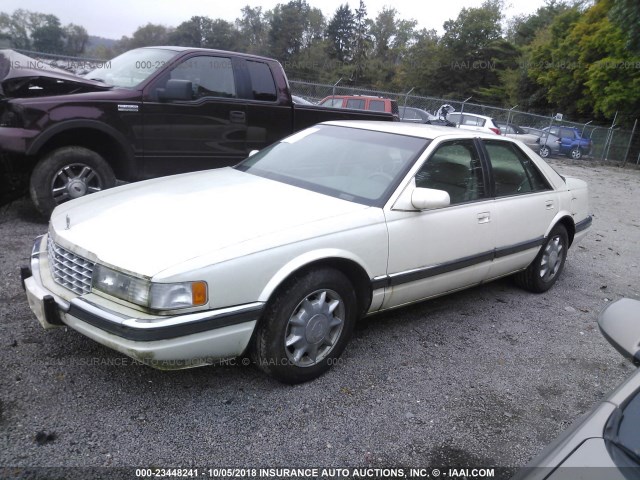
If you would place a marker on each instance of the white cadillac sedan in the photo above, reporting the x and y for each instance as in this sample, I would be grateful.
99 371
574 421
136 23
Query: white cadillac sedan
279 256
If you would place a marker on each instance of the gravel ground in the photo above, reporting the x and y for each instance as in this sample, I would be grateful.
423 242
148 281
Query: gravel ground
481 378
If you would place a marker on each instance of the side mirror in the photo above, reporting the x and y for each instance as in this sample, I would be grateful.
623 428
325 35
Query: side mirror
176 90
428 198
619 323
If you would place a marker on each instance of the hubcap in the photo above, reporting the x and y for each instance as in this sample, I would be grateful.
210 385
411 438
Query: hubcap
73 181
552 259
314 328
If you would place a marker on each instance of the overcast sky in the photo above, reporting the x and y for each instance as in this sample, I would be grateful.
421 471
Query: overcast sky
115 18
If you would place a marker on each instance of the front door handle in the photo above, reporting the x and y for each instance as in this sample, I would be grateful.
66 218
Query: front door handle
237 116
484 217
549 204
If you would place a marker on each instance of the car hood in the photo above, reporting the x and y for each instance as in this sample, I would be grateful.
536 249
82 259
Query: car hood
148 227
22 76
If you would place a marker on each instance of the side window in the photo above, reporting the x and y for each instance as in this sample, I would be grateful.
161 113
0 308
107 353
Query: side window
262 84
455 168
473 121
333 102
513 171
554 131
378 106
209 76
355 103
454 118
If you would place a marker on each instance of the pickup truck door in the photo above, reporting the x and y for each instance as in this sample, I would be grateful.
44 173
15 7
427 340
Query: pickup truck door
207 131
435 251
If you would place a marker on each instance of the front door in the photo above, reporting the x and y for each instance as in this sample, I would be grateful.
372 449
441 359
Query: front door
207 131
432 252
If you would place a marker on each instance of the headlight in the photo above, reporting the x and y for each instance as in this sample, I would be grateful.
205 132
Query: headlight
157 296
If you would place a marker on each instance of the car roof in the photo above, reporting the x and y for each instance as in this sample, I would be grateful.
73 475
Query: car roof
414 129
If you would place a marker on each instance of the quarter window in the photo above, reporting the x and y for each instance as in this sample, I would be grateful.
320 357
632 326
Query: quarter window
355 103
376 105
455 168
514 172
209 76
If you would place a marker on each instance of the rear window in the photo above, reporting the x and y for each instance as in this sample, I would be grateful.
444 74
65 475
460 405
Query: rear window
376 105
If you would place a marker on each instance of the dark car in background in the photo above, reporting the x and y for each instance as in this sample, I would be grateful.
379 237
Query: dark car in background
415 115
570 141
605 443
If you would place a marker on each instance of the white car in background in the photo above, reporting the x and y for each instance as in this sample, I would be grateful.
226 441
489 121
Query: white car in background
471 121
280 255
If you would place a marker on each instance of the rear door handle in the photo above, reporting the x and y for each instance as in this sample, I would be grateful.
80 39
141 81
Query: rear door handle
237 116
484 217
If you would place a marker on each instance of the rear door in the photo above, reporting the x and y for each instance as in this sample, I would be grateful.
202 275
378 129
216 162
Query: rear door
207 131
524 207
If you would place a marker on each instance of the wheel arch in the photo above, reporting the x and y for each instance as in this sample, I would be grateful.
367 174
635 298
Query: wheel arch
103 139
349 267
567 221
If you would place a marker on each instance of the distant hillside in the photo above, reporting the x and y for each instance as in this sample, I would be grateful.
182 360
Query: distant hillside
100 41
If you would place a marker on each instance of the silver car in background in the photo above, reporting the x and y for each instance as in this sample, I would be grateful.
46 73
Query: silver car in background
605 443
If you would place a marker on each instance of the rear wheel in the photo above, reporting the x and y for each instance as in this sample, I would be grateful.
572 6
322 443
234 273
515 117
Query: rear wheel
545 269
68 173
306 327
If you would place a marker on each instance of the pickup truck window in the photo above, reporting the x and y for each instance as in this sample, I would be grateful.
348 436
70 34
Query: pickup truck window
355 103
209 76
376 105
262 84
132 68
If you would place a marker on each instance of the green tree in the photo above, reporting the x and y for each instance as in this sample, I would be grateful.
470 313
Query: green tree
253 28
340 32
626 15
145 36
47 35
76 39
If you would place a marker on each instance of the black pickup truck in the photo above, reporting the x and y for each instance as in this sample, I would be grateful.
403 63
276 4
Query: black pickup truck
148 112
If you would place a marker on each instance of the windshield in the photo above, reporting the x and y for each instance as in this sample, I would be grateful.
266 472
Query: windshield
353 164
131 68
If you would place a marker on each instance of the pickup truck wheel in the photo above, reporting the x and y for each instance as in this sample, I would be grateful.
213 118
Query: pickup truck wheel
545 269
544 151
576 153
68 173
306 328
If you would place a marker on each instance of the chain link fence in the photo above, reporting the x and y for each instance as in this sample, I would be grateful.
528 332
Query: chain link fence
608 143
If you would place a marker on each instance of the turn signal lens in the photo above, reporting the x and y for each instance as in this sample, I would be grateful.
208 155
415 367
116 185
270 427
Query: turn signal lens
198 293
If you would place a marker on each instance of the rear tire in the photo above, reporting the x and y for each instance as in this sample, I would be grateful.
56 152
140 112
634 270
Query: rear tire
576 153
545 269
306 327
68 173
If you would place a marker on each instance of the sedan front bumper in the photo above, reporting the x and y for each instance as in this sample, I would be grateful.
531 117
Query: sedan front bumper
168 342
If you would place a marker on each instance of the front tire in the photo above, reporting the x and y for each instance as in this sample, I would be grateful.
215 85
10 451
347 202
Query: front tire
544 151
68 173
306 327
545 269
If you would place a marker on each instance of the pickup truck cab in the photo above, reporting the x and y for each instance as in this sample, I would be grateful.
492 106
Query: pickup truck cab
147 113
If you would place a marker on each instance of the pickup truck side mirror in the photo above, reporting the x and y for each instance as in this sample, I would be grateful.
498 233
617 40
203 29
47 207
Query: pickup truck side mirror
176 90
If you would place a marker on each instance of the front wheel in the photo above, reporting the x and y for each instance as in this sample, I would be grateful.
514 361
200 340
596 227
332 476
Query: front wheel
306 327
544 151
68 173
545 269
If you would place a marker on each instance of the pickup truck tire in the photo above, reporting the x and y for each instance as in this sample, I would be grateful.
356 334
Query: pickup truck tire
306 327
576 153
67 173
545 269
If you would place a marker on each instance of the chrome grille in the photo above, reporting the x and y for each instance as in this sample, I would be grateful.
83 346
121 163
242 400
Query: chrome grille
68 269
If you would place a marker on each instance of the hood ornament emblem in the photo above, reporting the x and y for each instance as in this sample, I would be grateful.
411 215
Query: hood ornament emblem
68 222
